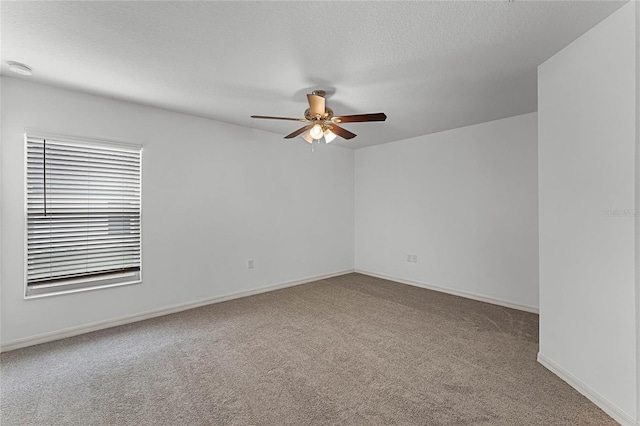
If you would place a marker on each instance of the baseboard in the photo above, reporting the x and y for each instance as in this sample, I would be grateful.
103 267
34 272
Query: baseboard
100 325
468 295
607 406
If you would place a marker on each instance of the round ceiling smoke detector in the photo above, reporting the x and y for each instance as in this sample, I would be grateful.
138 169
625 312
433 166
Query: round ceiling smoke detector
20 68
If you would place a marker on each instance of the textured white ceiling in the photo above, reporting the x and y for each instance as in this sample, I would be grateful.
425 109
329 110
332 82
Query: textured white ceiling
430 66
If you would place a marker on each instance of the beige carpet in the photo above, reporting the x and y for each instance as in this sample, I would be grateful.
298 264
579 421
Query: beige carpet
351 350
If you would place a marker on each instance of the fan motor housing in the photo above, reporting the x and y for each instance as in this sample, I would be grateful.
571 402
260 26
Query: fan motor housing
328 115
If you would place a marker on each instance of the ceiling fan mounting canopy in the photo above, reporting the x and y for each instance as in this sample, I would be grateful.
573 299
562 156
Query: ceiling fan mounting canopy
322 120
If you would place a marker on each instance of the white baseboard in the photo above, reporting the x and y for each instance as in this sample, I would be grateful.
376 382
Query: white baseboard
468 295
87 328
607 406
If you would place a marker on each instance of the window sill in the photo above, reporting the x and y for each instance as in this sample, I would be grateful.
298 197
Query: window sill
81 285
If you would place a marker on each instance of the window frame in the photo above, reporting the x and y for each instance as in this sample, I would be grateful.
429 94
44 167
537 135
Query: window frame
85 283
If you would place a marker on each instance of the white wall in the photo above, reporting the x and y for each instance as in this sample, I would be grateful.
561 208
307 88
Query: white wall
637 256
464 201
587 166
214 196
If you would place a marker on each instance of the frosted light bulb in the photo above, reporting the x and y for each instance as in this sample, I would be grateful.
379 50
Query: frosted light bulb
316 131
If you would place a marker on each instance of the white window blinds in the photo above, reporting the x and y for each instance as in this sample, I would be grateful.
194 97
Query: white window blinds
83 214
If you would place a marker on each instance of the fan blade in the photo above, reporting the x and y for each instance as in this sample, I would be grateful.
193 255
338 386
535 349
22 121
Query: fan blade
343 133
304 120
297 132
359 118
316 105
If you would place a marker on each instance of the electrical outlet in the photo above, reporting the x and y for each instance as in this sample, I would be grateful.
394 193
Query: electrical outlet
414 258
408 258
250 264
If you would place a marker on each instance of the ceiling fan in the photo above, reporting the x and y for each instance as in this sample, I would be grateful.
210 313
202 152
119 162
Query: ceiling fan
322 122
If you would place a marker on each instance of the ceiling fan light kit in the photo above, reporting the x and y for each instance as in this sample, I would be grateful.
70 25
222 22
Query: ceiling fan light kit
329 136
322 122
307 137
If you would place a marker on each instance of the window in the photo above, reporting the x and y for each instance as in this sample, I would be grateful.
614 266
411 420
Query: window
83 214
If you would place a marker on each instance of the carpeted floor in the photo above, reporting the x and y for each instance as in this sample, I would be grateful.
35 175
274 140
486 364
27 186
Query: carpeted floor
351 350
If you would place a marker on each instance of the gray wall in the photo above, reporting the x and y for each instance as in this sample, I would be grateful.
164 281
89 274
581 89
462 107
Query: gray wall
214 196
464 201
587 171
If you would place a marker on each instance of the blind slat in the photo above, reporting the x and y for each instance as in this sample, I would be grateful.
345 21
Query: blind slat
65 249
65 266
90 254
81 274
84 149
